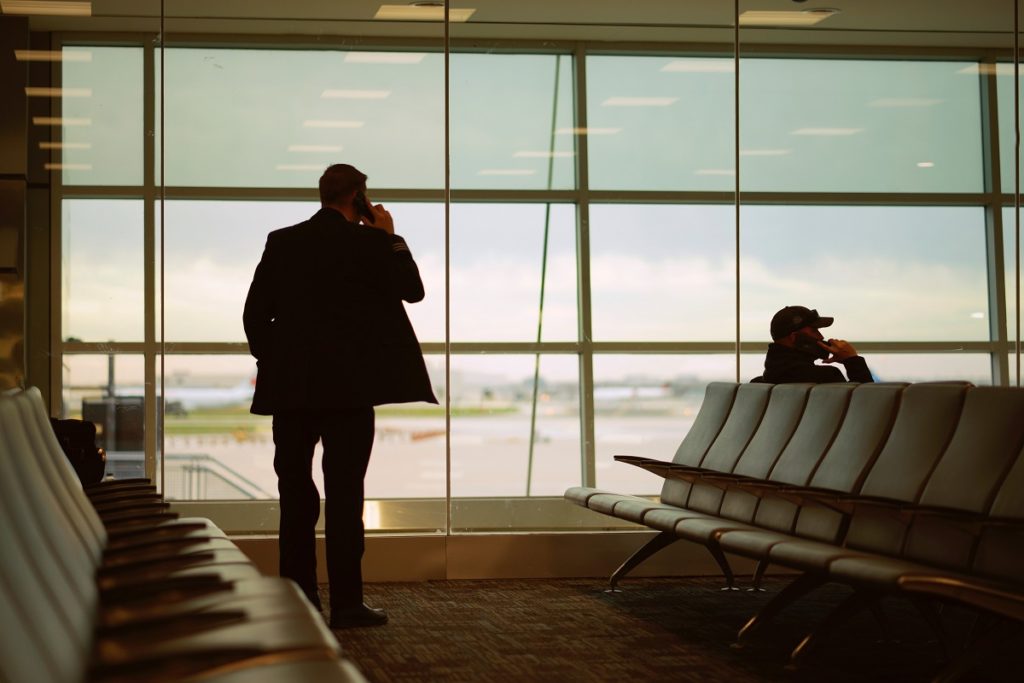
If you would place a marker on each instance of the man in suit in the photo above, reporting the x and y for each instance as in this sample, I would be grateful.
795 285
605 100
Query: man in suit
325 321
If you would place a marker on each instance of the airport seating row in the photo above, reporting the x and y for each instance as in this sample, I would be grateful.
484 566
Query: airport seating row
892 489
108 585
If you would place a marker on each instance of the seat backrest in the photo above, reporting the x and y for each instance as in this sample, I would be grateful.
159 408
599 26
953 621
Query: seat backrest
718 400
747 413
988 440
868 421
1000 549
46 574
785 408
60 474
925 422
826 408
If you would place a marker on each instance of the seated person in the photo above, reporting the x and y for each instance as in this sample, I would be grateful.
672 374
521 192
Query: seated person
798 344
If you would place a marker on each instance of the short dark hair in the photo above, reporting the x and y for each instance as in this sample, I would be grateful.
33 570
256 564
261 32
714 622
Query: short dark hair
339 180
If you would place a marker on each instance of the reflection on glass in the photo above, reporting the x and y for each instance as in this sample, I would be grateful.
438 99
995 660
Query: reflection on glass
505 111
282 116
884 273
659 123
816 125
102 270
498 267
644 405
100 142
502 442
1012 258
109 391
662 273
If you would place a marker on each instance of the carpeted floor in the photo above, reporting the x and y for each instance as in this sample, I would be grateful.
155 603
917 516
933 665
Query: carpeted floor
655 630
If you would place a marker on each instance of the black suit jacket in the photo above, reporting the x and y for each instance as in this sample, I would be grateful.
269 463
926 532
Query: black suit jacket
325 320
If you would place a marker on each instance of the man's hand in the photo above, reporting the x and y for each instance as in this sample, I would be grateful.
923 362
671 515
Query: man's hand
382 219
839 348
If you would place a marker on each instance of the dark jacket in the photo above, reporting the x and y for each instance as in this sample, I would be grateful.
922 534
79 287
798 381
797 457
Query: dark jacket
783 365
325 320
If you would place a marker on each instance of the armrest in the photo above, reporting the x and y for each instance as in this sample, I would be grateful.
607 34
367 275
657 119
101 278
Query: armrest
149 500
112 483
125 535
123 492
131 519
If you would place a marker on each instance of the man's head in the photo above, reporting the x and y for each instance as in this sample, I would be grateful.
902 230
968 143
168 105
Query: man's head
794 324
339 183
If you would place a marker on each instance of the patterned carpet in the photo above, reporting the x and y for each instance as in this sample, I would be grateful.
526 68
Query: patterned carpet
655 630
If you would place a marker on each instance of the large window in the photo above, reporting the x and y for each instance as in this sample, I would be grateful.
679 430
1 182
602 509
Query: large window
593 267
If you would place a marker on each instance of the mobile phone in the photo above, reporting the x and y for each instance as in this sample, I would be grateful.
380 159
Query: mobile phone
808 344
362 206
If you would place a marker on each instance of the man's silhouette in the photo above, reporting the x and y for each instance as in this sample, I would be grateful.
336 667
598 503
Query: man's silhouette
325 320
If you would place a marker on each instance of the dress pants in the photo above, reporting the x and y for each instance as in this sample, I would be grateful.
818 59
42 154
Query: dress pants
347 436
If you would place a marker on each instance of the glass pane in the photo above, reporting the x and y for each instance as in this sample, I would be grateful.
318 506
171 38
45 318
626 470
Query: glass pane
506 111
500 446
662 272
817 125
282 116
660 123
884 273
497 257
214 448
100 140
212 248
1011 261
1003 77
109 391
102 270
644 405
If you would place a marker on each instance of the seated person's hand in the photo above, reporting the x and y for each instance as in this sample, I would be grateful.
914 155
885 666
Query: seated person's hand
839 348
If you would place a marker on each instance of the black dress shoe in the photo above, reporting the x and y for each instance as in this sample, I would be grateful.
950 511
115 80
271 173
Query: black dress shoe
354 617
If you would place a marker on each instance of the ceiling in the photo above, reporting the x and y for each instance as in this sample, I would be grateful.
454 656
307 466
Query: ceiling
912 23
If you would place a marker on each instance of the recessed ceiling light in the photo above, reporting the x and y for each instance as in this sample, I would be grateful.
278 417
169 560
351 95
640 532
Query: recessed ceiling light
639 101
65 145
764 152
67 167
59 121
698 66
384 57
587 131
827 132
58 92
333 124
71 8
53 55
1000 69
904 102
355 94
506 171
314 148
540 154
808 17
422 11
926 164
715 171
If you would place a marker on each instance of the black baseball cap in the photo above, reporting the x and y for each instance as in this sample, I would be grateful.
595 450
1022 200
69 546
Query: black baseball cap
792 318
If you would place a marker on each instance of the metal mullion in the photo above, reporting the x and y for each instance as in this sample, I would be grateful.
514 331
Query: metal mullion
56 252
586 334
104 347
105 191
514 347
149 261
994 224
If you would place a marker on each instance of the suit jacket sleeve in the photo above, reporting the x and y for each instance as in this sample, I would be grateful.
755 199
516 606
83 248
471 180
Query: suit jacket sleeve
405 275
259 305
